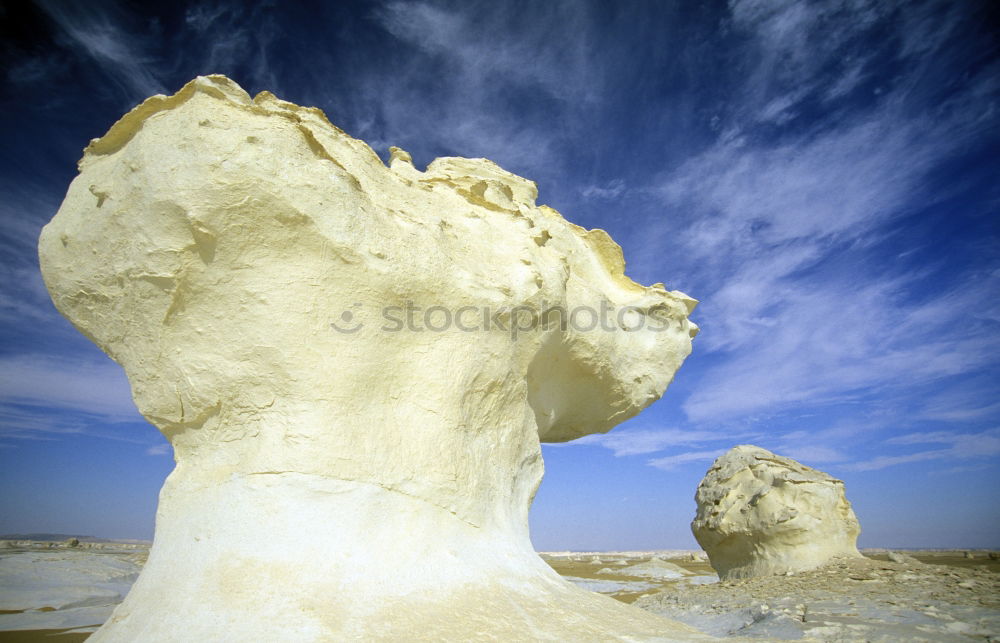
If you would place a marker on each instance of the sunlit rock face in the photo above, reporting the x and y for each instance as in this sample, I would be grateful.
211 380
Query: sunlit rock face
355 365
761 514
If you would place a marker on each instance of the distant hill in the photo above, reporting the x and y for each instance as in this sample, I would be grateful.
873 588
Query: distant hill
56 537
62 537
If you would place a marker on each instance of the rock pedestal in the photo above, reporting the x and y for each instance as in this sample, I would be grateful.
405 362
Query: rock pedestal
761 514
355 365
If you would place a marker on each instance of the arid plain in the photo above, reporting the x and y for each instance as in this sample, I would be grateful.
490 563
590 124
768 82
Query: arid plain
60 593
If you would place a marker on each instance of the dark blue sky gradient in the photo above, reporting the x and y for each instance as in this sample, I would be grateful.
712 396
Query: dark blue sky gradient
822 176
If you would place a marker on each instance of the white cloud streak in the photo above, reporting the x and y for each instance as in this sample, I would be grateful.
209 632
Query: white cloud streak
959 446
640 441
777 226
830 342
480 55
772 216
611 190
24 301
670 462
159 449
840 182
95 31
67 383
231 35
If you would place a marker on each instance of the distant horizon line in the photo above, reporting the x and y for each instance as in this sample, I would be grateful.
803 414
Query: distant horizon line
57 537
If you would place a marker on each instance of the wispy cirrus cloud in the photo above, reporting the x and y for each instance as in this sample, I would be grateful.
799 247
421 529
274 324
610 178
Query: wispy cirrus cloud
788 228
47 397
476 79
98 31
775 214
824 342
811 447
68 383
232 35
27 423
472 39
107 43
159 449
642 441
818 187
673 461
957 447
968 403
814 446
24 301
782 216
610 190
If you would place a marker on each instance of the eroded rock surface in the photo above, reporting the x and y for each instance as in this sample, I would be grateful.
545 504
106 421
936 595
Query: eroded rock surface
355 365
762 514
44 588
849 599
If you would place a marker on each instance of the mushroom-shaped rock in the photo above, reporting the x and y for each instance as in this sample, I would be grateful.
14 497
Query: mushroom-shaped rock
761 514
355 365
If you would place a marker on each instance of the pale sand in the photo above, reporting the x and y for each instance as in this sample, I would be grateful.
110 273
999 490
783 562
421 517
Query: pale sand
949 598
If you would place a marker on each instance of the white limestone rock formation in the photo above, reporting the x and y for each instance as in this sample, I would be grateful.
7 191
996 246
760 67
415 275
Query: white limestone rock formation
761 514
343 358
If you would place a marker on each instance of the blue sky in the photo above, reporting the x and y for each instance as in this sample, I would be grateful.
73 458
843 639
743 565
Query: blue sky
822 176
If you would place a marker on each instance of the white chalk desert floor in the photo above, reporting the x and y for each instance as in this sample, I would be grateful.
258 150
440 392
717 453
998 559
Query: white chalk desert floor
59 593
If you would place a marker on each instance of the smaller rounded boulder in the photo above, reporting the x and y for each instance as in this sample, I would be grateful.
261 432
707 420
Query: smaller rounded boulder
762 514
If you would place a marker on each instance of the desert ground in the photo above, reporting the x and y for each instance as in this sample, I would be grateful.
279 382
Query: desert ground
60 592
927 596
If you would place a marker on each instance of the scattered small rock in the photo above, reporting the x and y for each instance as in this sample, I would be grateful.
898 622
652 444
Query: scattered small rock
848 600
900 557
